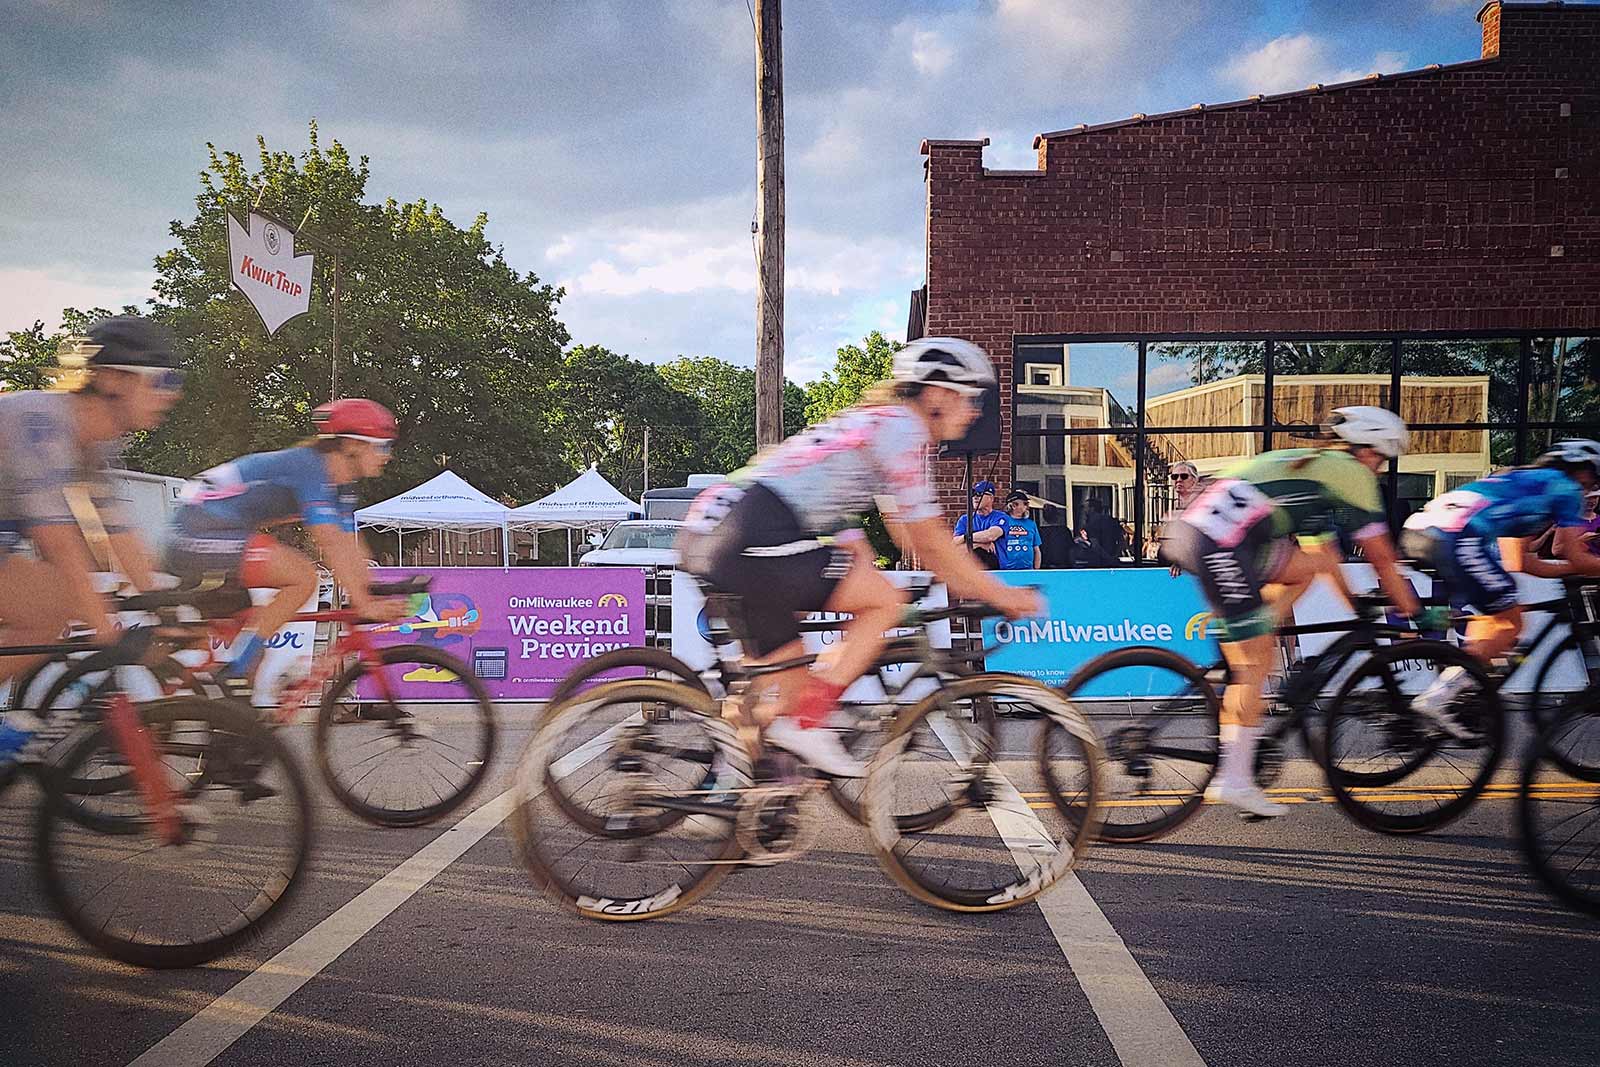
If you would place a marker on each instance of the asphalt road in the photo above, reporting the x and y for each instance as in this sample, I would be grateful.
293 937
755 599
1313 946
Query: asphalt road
1301 941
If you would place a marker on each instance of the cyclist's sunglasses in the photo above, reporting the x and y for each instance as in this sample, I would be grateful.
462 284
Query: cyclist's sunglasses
381 445
167 379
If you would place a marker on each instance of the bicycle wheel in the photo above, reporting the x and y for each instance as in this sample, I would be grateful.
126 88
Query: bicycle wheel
1372 735
611 815
657 662
246 836
1547 707
1558 811
865 725
964 818
76 697
405 762
1159 717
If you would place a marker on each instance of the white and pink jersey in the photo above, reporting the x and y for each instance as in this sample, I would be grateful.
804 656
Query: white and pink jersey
832 473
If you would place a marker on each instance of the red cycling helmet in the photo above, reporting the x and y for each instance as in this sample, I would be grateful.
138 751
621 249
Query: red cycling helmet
367 420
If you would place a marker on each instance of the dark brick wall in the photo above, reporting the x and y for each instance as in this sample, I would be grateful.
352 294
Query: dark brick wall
1459 198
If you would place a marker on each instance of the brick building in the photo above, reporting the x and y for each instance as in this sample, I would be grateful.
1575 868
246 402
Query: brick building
1442 222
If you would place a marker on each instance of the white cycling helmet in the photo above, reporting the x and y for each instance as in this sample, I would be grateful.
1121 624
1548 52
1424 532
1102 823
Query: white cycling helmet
944 361
1376 428
1576 451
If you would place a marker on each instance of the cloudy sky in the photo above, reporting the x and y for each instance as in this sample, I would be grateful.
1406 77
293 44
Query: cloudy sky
612 142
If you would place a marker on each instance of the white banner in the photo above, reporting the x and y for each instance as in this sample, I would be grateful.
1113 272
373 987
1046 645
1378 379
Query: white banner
689 628
263 266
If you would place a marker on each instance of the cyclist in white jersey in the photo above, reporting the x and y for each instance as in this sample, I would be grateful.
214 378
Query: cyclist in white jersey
55 448
777 535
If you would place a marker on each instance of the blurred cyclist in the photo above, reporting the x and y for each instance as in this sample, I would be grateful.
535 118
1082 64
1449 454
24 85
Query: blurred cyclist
55 450
1257 537
1476 535
219 527
779 535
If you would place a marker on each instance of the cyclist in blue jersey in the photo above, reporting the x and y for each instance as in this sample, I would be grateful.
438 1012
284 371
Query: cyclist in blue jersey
218 530
55 449
1476 535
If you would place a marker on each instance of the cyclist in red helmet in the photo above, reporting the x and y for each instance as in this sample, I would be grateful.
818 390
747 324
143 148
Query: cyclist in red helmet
218 530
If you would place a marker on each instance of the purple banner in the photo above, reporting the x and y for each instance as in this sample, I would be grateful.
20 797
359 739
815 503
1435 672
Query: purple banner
520 630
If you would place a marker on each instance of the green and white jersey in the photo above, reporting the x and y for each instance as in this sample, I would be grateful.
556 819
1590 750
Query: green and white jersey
1302 492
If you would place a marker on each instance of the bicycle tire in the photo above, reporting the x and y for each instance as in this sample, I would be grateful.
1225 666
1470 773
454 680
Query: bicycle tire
657 660
1397 726
1553 816
475 768
1130 748
547 813
1022 856
257 760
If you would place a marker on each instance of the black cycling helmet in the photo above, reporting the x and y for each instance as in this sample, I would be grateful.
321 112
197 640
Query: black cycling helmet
131 341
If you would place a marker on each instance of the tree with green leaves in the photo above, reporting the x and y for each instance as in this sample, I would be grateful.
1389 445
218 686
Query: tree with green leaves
435 325
726 398
28 358
855 369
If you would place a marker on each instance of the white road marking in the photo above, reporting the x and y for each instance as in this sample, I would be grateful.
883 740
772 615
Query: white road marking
1141 1028
225 1020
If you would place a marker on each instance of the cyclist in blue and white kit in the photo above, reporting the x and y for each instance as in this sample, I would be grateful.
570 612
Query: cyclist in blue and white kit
55 449
779 537
218 530
1475 535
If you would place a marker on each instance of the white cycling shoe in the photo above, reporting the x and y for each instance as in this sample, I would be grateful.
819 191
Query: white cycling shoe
818 747
1433 703
1248 798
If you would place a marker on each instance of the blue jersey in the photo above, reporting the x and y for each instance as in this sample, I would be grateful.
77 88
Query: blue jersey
979 522
41 462
1516 503
1016 545
263 490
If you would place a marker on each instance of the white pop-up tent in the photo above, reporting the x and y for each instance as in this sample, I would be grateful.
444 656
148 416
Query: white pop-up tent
445 502
588 500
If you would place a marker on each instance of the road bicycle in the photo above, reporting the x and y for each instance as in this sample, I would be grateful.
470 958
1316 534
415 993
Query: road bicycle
636 797
404 733
170 830
1349 704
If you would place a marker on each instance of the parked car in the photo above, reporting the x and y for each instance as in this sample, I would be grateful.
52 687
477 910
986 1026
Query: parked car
637 543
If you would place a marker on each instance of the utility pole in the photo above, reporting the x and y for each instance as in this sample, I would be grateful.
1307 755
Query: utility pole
647 459
769 222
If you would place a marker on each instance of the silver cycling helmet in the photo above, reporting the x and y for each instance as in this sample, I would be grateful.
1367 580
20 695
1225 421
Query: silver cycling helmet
1376 428
944 361
1575 452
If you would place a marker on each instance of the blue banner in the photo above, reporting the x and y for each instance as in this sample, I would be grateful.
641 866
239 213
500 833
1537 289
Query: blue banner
1095 611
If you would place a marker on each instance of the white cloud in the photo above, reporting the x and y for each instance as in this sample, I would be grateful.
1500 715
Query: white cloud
1296 61
41 294
561 249
1282 65
931 53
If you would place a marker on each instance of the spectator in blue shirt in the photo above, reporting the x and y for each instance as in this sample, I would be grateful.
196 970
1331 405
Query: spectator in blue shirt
1018 547
988 525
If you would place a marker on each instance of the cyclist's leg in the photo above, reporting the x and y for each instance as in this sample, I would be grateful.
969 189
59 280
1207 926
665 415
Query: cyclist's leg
1294 576
267 564
32 611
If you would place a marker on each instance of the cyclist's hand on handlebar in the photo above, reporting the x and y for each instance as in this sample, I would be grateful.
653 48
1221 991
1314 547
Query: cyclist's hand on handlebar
384 609
1020 602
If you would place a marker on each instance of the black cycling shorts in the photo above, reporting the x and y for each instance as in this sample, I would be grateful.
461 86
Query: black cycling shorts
755 549
1468 567
1231 578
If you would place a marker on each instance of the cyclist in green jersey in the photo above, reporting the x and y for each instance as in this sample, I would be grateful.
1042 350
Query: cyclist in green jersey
1257 537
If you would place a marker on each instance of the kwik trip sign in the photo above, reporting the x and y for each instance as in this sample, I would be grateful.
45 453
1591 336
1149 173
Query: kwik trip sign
263 266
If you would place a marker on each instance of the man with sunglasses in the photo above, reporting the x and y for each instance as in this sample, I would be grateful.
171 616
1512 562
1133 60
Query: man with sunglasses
1186 486
55 451
219 527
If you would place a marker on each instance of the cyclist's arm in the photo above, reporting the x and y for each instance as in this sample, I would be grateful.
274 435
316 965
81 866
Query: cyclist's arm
1379 551
133 556
1573 556
964 576
341 551
62 546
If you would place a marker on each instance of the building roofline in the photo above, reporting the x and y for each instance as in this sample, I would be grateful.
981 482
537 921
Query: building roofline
1260 98
982 142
